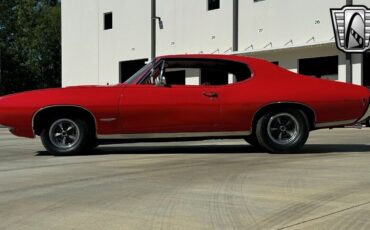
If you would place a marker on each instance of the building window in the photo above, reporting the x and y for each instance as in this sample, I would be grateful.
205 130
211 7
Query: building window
322 67
177 77
108 21
213 4
129 68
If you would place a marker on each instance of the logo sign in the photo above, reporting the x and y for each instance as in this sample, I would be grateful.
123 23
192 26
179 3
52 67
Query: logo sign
352 28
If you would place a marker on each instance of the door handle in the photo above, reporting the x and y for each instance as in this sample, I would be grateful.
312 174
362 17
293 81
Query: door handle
210 94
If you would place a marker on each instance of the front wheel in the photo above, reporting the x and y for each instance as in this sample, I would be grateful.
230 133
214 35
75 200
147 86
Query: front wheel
282 132
66 136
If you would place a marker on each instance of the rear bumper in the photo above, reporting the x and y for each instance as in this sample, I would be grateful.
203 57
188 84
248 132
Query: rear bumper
366 115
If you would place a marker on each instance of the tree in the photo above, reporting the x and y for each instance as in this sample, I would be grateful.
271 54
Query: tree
31 44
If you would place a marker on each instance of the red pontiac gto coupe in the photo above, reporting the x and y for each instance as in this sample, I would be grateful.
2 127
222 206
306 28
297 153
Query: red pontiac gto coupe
188 97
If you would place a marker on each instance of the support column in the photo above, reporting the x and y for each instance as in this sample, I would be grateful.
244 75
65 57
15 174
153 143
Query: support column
235 25
348 68
357 69
349 71
153 30
342 68
192 77
0 70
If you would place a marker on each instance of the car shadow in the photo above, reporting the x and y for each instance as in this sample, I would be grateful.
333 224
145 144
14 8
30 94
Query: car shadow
335 148
216 149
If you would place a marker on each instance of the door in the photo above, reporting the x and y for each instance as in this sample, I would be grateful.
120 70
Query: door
172 109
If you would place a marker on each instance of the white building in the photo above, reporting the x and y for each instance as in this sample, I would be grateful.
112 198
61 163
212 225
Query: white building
105 41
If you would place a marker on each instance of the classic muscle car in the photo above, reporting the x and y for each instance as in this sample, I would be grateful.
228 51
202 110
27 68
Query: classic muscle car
188 97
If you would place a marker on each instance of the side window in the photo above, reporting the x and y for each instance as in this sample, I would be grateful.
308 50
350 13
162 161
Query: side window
175 76
205 72
214 77
183 76
154 75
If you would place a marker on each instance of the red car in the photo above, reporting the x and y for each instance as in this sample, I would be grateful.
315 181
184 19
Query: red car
188 97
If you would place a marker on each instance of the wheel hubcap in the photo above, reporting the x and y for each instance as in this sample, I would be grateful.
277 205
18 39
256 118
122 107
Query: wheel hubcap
283 128
64 134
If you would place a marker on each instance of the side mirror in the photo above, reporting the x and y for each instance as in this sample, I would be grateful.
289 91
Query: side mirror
161 81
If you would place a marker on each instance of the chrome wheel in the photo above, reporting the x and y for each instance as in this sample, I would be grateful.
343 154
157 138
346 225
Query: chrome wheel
64 134
283 128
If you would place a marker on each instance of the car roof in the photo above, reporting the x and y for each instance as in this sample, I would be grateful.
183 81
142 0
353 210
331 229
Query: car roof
209 56
256 65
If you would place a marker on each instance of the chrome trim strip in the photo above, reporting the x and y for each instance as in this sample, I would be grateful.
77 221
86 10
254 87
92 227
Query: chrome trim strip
54 106
366 115
107 119
335 123
173 135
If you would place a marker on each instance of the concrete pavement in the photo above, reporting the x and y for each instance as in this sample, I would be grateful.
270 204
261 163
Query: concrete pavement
196 185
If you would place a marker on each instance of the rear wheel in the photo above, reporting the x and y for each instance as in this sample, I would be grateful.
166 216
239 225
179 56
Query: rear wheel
66 136
282 131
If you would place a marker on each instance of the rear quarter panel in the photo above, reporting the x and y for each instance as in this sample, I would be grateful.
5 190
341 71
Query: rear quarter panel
331 101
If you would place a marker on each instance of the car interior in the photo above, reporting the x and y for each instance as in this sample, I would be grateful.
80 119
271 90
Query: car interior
198 72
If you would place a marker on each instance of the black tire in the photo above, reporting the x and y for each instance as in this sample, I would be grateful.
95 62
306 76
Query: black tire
252 140
93 144
282 131
67 136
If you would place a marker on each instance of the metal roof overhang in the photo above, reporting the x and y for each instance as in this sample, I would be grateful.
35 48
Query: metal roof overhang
285 48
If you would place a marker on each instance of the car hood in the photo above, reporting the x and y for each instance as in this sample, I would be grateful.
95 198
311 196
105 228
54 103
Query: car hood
77 95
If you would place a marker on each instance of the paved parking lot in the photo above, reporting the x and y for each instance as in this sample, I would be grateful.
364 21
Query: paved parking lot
198 185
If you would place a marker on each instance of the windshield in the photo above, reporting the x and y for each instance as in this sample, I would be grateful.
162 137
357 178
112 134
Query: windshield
134 79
